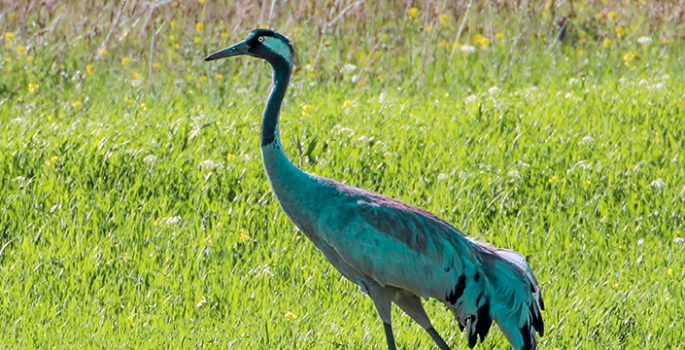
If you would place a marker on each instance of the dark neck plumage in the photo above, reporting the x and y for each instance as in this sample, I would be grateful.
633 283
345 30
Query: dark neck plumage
279 85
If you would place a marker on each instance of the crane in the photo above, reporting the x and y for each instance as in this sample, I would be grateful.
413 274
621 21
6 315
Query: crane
395 252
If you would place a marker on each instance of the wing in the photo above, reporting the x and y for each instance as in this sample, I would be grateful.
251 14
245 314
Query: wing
399 245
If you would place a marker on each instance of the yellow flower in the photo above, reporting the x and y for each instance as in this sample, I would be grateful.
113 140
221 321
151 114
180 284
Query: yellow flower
482 40
136 79
289 315
52 161
627 58
231 157
669 272
77 104
7 60
444 18
197 40
90 69
29 58
607 42
244 237
413 12
143 106
10 36
499 36
429 29
172 24
548 6
172 38
620 31
21 49
128 101
306 110
33 87
553 179
611 15
219 77
202 2
347 103
262 26
155 65
125 61
581 52
199 26
235 79
103 52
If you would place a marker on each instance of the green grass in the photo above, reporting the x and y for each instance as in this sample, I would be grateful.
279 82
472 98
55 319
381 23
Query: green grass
135 213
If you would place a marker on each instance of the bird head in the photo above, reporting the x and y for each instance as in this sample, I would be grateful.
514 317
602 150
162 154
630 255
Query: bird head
262 43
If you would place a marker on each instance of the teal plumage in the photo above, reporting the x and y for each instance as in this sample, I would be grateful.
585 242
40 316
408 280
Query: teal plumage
395 252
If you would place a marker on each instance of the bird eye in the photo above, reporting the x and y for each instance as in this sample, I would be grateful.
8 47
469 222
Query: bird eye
261 39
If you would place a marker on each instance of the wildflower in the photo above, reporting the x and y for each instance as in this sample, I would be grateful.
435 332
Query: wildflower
262 26
143 106
208 164
620 31
202 2
219 77
172 24
499 36
10 36
581 52
155 65
197 40
150 159
482 40
173 220
21 49
468 49
244 237
52 161
429 29
611 15
658 183
128 101
627 58
548 6
125 61
33 87
607 42
470 99
235 79
136 79
413 12
231 157
103 52
289 315
199 26
644 40
553 179
306 110
172 38
77 104
493 90
29 59
347 103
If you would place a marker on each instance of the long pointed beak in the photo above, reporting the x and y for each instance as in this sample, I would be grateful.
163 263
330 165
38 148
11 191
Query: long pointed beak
235 50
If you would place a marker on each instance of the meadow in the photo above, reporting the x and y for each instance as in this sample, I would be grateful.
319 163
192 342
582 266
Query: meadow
135 213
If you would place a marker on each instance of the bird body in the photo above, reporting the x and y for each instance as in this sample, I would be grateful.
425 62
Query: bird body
395 252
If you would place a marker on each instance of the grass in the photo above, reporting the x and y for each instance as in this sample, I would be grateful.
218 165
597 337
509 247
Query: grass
135 212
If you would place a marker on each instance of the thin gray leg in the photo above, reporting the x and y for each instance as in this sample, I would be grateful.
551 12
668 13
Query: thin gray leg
389 336
411 304
382 299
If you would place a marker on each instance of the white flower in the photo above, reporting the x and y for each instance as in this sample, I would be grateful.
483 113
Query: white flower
208 164
151 159
467 49
568 95
348 68
173 220
679 240
644 40
658 183
586 140
470 99
442 177
574 81
493 90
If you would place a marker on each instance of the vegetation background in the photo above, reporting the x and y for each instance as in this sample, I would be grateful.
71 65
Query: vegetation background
134 212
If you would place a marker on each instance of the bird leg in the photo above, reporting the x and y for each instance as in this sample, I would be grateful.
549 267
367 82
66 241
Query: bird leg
382 299
411 304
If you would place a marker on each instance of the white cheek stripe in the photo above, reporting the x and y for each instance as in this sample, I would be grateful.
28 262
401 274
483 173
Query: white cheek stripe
278 47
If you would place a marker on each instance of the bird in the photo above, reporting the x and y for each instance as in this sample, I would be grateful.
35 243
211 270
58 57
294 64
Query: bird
395 252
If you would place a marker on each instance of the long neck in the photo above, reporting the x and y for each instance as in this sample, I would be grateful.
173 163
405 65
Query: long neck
290 184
